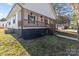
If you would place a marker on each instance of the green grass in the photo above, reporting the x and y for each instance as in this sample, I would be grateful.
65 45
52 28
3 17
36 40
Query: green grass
9 46
48 45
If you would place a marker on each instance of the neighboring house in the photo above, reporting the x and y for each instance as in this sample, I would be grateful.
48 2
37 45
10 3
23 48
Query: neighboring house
3 24
30 20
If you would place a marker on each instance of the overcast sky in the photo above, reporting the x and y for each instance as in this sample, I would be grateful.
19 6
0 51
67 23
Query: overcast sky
4 9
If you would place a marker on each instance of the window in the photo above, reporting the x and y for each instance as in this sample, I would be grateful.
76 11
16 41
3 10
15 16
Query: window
31 19
14 18
13 21
9 23
6 24
41 18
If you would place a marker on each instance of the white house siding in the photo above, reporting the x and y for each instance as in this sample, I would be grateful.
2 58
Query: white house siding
13 25
15 15
19 15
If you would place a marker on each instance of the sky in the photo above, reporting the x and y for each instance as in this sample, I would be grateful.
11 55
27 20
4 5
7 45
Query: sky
65 9
5 9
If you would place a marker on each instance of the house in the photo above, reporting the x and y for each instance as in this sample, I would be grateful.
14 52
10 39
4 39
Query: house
30 20
3 24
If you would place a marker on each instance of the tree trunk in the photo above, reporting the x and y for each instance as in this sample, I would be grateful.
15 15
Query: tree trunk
78 30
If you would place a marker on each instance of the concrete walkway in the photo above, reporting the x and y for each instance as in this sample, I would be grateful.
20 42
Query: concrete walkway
67 37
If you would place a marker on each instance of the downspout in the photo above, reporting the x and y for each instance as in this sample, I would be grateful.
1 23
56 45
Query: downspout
22 18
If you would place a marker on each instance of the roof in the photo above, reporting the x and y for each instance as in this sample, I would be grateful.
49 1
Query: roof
14 6
45 9
41 8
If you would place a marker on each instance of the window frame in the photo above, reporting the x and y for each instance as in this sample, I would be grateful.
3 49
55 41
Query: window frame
9 23
14 20
30 19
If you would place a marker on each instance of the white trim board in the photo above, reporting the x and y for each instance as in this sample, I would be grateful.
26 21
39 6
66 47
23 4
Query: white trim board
34 27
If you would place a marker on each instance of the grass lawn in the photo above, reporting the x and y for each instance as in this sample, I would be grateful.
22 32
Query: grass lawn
9 46
49 45
46 45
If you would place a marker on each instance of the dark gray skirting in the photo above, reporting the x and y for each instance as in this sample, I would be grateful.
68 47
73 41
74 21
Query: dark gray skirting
33 33
30 33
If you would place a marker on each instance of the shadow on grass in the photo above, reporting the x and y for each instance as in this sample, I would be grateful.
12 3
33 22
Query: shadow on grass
49 45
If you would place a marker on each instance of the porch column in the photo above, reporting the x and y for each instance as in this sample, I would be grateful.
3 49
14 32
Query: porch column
22 19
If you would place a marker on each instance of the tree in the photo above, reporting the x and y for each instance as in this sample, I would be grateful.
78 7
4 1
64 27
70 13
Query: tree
3 19
64 13
62 9
74 21
62 20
